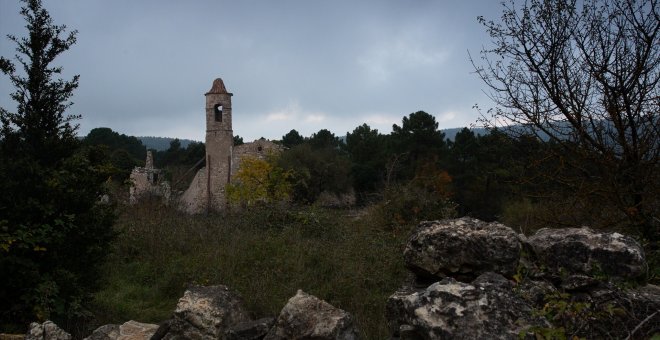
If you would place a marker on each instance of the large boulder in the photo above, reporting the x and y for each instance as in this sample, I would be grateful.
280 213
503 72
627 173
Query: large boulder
487 308
582 251
206 313
105 332
462 248
46 331
308 317
130 330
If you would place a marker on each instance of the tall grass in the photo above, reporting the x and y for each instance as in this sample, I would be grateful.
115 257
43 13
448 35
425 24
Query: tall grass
266 254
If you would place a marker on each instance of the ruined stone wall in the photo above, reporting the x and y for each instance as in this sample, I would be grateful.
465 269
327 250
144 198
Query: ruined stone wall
207 191
259 149
147 181
194 199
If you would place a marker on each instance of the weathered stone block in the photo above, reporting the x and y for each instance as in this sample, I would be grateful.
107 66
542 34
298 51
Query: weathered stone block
307 317
570 251
462 248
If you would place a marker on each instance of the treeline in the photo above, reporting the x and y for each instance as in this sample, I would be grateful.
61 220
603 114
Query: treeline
126 152
415 169
416 173
413 173
162 143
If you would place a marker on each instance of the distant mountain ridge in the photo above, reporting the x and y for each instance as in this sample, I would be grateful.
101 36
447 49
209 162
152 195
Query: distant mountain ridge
162 143
451 133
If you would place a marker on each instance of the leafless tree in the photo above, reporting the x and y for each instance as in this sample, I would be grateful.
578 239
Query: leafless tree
584 75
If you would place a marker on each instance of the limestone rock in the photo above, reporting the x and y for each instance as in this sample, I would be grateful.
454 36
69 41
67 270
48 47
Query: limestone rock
462 248
308 317
485 309
105 332
582 251
46 331
206 313
130 330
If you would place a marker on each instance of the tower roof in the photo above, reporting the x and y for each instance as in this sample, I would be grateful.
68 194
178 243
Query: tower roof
218 87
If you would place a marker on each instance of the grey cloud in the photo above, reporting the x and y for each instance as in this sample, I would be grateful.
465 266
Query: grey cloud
145 65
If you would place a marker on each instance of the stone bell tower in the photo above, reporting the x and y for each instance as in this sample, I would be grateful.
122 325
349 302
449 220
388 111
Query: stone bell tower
219 143
207 190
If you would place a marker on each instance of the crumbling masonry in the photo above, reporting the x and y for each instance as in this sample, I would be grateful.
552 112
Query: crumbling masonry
207 190
148 181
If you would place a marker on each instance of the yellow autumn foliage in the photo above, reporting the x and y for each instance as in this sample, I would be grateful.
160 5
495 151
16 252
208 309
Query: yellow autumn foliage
259 181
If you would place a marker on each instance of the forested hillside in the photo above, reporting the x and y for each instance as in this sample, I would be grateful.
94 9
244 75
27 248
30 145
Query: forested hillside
162 143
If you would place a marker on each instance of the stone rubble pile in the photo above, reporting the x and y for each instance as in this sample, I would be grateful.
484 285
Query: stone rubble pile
469 280
478 280
217 312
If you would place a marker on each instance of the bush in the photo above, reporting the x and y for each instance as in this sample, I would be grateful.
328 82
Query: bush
405 205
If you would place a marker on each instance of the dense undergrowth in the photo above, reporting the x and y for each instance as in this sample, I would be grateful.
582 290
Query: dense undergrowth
266 254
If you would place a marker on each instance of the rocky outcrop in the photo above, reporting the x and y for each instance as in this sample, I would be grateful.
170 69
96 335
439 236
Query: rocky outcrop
130 330
462 248
307 317
206 313
46 331
449 309
217 312
558 283
581 251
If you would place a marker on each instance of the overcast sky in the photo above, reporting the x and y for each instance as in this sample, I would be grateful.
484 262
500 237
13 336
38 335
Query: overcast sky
293 64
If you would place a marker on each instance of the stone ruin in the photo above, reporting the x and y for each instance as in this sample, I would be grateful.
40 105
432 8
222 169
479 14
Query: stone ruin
222 161
148 181
207 190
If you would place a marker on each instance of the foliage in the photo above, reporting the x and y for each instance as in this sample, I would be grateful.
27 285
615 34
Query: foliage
259 181
419 139
484 172
365 148
586 79
426 197
324 139
266 254
315 171
176 155
126 152
53 231
180 164
115 141
292 138
162 143
238 140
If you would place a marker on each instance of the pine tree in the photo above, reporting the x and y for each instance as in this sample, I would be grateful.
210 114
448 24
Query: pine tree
53 230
